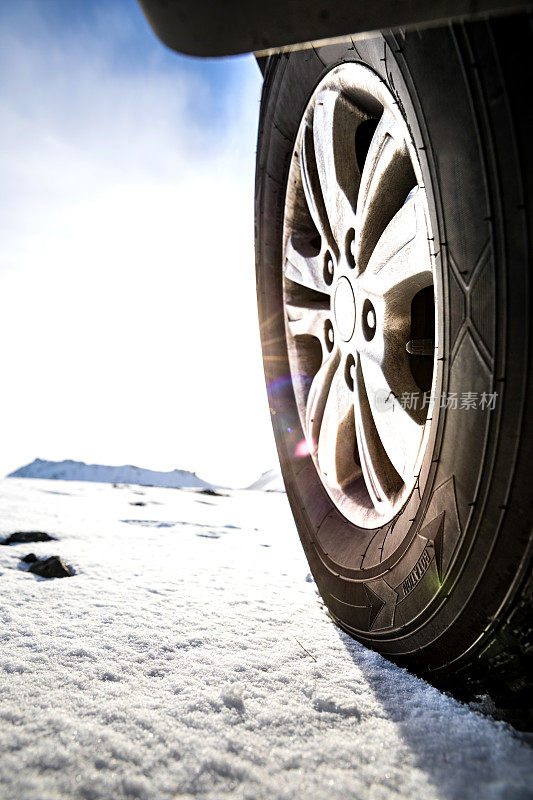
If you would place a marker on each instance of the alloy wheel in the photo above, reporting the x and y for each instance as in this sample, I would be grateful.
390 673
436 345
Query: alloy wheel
359 300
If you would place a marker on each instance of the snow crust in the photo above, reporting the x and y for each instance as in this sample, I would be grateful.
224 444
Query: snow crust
190 657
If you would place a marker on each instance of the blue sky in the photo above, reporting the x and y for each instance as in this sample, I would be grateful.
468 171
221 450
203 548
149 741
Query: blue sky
127 306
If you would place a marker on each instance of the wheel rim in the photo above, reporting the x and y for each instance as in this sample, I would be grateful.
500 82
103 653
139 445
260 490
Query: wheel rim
360 313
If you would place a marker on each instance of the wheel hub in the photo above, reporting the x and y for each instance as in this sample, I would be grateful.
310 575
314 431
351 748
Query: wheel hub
344 309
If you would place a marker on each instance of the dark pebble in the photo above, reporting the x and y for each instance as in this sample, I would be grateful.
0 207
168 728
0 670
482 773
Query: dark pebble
24 537
53 567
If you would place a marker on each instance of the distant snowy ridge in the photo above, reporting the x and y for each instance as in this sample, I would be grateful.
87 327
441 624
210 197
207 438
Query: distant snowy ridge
270 481
98 473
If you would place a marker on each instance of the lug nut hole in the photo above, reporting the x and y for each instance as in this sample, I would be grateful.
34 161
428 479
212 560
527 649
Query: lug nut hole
350 247
329 268
349 372
369 320
330 335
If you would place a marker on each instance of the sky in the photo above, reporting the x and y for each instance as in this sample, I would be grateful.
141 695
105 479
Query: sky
128 316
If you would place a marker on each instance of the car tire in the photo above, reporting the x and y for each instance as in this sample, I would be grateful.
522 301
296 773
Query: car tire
433 567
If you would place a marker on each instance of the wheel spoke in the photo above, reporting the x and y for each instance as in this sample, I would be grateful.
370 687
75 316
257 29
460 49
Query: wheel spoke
400 265
311 186
400 434
317 398
306 270
334 123
336 441
306 321
387 178
380 477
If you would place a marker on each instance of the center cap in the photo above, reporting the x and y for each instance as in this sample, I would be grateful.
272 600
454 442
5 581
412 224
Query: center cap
344 309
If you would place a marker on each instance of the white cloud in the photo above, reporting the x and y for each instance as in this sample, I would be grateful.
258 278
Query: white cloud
127 292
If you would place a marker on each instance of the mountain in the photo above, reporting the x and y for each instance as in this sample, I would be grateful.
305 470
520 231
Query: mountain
79 471
269 481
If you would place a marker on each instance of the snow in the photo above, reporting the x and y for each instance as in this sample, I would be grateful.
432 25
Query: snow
80 471
269 481
190 657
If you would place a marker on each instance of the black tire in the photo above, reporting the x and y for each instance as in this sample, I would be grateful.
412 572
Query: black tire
452 600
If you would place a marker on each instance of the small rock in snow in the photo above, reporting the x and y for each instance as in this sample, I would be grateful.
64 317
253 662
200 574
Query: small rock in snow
53 567
24 537
29 559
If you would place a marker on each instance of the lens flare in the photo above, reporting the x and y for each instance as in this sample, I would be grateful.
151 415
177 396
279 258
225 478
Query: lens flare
302 449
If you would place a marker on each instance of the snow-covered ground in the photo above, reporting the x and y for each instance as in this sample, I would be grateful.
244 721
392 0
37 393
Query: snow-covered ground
172 665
